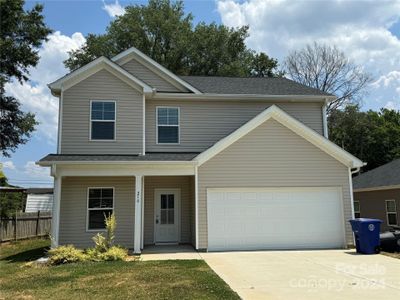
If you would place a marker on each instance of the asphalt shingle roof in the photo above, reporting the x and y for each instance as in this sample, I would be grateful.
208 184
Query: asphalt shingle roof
150 156
250 85
385 175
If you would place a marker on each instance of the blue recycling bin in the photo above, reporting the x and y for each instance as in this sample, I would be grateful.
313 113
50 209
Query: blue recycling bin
366 233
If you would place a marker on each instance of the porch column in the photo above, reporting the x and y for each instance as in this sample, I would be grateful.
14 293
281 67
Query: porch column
138 213
55 220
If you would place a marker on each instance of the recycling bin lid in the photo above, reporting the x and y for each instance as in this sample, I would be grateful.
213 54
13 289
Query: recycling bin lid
366 220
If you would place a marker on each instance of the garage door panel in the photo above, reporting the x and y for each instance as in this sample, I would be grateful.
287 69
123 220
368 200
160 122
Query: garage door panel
278 218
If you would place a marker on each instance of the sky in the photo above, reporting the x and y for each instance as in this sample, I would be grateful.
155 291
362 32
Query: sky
368 32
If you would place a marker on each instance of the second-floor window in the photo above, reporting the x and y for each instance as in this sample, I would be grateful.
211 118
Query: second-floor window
167 125
102 120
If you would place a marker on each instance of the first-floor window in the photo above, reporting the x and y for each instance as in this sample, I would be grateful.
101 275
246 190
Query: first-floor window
391 212
357 213
100 206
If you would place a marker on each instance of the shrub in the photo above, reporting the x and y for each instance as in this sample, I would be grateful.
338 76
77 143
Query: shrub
114 253
103 250
102 244
66 254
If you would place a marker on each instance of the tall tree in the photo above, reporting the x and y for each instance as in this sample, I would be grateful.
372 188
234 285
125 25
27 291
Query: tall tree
21 33
163 31
372 136
328 69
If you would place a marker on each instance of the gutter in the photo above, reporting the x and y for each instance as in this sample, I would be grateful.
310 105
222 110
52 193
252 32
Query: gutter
212 96
119 162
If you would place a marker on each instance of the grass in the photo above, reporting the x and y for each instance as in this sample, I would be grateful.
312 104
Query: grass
184 279
394 255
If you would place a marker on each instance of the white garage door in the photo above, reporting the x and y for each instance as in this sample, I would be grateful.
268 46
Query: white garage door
274 218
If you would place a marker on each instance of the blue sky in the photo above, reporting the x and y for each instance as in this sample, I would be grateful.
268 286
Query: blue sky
367 31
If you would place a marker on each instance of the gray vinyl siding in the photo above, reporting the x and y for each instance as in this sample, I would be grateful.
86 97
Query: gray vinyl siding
73 209
147 76
187 199
271 156
76 116
203 123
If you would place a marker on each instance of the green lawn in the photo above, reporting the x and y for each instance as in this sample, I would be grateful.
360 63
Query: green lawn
184 279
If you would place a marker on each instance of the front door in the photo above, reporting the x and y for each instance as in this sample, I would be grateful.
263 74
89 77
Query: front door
167 215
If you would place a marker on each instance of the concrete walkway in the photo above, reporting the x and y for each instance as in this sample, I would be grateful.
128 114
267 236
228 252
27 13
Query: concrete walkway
166 252
327 274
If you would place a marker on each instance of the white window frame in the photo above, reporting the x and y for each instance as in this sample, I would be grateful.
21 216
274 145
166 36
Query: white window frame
359 208
89 209
387 212
115 121
179 124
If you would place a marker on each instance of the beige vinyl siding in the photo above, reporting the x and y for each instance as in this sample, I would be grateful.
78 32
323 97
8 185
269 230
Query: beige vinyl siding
73 209
271 156
159 182
76 116
203 123
148 76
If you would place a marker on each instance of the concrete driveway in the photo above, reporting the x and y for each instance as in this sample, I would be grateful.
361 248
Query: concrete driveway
325 274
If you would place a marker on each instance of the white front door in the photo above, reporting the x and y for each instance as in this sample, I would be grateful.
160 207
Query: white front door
167 215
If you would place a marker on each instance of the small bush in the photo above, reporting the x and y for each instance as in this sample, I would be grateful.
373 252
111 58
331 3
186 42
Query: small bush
100 243
103 243
102 251
66 254
114 253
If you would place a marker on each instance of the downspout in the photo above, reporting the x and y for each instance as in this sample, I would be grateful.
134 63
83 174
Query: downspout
324 118
60 116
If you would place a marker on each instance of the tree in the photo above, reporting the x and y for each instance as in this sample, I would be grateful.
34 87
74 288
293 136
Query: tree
21 33
163 31
10 202
328 69
374 137
264 66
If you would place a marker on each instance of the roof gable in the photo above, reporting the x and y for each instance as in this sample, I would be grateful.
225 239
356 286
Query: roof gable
302 130
101 63
134 53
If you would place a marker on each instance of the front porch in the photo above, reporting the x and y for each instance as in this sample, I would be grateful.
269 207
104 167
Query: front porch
154 207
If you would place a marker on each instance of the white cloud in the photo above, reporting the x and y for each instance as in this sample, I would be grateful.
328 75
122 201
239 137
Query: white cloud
34 95
359 28
36 172
114 9
8 165
392 105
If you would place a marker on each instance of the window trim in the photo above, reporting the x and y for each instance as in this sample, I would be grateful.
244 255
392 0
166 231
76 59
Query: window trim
179 125
87 206
359 208
115 121
395 212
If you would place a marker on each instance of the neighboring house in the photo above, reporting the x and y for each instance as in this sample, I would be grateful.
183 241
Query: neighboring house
377 194
217 162
39 199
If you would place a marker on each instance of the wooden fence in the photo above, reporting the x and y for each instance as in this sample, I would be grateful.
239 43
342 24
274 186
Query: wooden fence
25 225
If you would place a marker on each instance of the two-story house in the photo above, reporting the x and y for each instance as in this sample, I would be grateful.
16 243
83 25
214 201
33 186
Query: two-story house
217 162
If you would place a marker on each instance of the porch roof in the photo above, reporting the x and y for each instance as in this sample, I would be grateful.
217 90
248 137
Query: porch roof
150 157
